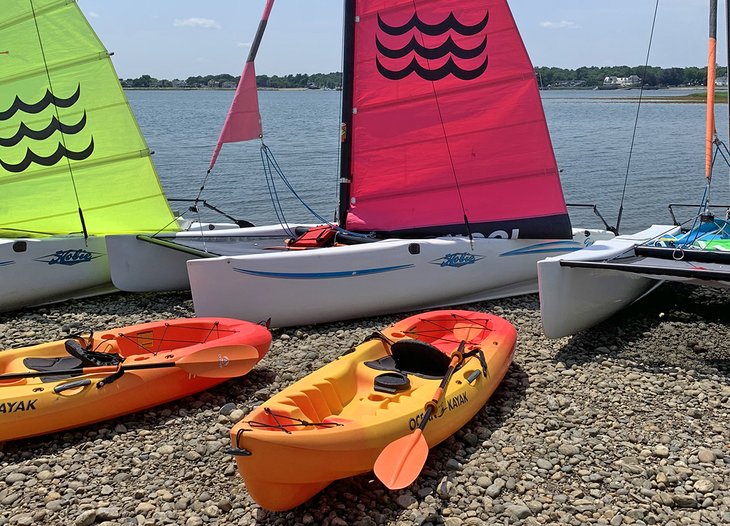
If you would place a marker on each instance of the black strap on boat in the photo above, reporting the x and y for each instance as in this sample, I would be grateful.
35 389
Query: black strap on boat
91 358
479 354
88 342
283 427
377 335
239 451
110 379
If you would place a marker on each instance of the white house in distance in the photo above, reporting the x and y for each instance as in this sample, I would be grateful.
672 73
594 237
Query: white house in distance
632 81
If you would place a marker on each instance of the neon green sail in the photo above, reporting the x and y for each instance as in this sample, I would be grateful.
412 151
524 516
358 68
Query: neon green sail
68 138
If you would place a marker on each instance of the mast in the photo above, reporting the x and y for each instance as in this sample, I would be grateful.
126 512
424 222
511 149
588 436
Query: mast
711 76
348 61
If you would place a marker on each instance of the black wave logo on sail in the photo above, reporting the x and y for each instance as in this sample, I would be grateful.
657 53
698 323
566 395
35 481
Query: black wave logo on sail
449 24
448 48
40 135
450 68
61 152
37 107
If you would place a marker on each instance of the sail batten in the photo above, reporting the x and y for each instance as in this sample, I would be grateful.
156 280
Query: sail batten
58 163
54 67
438 112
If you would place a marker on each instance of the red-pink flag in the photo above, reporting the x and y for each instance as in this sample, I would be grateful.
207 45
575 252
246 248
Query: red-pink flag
243 122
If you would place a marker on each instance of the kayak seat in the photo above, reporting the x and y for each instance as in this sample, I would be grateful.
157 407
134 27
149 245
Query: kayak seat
91 358
413 357
47 365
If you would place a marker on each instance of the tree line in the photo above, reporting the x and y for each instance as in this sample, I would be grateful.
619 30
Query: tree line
651 76
301 80
547 77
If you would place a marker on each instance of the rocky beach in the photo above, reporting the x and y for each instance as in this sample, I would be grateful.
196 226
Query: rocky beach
628 423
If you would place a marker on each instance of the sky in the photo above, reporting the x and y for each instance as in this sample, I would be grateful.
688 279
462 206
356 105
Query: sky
181 38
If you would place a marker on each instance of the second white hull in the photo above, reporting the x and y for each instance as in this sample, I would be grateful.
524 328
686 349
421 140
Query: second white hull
344 282
36 271
141 266
573 298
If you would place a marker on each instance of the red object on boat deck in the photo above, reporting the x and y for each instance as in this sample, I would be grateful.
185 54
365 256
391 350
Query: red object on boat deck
315 237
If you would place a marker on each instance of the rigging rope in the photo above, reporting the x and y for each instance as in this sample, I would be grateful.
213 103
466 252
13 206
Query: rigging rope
271 168
298 422
694 234
636 121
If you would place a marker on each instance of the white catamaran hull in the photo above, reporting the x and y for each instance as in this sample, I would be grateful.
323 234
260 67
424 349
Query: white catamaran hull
574 298
343 282
36 271
147 264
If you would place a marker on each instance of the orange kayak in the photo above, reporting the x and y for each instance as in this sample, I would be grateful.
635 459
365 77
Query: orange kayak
64 384
335 422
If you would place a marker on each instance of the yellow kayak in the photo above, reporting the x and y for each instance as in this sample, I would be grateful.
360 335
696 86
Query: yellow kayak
335 422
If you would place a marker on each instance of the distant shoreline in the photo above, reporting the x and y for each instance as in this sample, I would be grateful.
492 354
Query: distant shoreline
159 88
721 97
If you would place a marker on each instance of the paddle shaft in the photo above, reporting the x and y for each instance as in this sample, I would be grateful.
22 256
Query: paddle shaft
431 406
400 462
88 370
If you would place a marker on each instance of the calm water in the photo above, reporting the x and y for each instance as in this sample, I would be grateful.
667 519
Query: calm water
591 134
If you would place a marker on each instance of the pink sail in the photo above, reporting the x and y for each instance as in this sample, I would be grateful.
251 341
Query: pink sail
448 132
243 122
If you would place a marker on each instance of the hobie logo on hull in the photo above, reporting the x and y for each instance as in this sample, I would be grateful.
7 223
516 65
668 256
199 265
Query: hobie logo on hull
457 260
69 257
457 52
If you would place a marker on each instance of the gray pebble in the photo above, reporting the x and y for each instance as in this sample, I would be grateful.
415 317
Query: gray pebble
86 518
406 500
706 455
228 409
519 511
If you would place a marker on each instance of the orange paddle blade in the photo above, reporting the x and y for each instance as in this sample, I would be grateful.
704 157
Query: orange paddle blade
225 362
400 463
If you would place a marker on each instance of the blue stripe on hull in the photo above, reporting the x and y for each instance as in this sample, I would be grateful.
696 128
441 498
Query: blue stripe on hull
545 248
321 275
